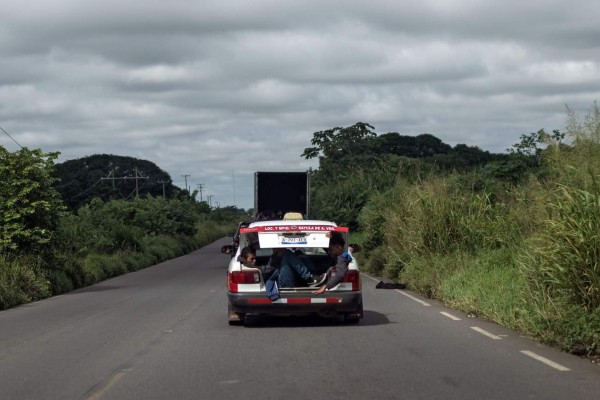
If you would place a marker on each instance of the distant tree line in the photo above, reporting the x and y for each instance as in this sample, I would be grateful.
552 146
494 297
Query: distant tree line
111 177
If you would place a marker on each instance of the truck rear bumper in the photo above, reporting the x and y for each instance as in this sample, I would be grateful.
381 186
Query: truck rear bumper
296 303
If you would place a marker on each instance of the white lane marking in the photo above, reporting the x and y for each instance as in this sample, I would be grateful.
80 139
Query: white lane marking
544 360
452 317
413 298
231 382
486 333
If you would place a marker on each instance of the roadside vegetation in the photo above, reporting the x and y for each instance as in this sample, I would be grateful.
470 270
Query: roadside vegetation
46 249
512 238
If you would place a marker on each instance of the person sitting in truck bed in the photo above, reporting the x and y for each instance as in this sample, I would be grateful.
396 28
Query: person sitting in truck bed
248 259
342 260
290 267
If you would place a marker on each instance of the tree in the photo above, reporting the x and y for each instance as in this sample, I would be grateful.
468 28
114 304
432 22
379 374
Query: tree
29 205
81 180
528 146
340 149
421 146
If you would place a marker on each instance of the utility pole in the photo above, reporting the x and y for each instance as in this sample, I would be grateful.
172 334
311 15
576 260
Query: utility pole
136 184
136 177
185 177
200 186
209 197
163 185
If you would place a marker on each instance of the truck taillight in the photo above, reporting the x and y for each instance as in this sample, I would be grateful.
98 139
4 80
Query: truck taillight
236 277
353 276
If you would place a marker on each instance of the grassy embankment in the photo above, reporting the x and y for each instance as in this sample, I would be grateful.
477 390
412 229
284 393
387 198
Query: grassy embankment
525 256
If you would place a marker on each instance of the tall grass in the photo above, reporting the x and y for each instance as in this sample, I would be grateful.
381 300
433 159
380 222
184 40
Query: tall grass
21 281
488 286
563 259
561 262
451 241
442 216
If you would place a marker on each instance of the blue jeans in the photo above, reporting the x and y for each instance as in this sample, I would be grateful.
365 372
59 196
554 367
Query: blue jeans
290 268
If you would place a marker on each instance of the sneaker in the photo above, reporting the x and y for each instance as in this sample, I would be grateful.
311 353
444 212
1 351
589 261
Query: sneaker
317 279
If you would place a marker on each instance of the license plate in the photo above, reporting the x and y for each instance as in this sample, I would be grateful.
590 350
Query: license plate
293 240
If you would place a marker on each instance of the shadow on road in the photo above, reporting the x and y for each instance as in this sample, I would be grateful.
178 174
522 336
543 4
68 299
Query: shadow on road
371 318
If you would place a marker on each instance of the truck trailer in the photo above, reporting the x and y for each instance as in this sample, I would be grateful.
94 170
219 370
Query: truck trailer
278 193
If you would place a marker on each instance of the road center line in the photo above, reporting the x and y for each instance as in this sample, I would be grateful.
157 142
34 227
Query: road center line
452 317
544 360
486 333
111 382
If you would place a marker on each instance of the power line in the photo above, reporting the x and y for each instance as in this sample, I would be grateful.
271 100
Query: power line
85 191
136 177
13 139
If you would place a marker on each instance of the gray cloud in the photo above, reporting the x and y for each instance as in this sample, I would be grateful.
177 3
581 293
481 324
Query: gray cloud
220 89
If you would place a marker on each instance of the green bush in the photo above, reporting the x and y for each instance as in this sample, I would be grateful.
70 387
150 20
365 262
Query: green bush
208 231
578 332
29 206
162 247
20 283
393 266
72 266
344 198
375 263
117 265
566 326
94 268
60 282
372 219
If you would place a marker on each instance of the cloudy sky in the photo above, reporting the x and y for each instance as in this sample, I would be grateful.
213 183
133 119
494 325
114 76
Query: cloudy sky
220 89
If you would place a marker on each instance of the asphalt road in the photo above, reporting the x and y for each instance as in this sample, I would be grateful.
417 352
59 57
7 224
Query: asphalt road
162 333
